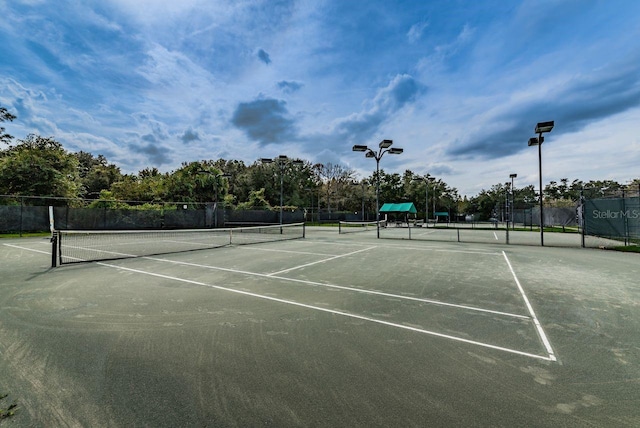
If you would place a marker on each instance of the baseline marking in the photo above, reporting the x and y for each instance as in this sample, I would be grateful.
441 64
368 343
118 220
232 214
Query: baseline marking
336 312
541 333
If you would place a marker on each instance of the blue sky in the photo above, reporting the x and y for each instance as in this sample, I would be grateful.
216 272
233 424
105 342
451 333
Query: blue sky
459 85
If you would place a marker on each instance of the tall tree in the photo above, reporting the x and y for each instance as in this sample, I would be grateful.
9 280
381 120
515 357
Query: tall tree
96 174
39 166
5 116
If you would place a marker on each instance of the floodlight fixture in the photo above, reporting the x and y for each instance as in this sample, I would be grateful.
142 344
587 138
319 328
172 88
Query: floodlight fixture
384 147
544 127
513 190
215 187
541 127
282 161
427 178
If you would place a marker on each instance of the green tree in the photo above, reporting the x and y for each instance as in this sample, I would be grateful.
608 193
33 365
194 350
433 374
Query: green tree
147 186
196 182
256 201
39 166
5 116
96 174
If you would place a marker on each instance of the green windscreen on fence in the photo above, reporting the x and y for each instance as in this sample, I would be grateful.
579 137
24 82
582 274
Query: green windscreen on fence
612 218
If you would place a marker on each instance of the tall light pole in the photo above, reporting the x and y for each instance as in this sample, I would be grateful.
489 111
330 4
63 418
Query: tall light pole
215 187
541 128
282 162
513 224
383 147
427 178
362 184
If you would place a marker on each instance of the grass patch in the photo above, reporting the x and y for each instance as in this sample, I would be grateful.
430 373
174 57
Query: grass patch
24 235
626 248
10 410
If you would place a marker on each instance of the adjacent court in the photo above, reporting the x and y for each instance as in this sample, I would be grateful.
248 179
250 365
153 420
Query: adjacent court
327 330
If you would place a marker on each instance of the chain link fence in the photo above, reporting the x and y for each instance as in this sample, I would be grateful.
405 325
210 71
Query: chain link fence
21 214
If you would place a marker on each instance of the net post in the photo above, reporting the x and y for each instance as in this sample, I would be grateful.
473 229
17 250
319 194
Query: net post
54 249
304 229
507 234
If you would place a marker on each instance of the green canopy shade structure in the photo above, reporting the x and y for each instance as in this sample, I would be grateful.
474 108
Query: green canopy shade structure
404 208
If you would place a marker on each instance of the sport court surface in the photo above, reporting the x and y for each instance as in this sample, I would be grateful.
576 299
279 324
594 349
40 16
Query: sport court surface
331 330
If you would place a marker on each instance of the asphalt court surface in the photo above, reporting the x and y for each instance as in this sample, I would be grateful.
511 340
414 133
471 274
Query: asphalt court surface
331 330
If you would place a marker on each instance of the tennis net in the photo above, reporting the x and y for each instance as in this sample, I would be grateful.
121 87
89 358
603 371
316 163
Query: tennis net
358 226
77 246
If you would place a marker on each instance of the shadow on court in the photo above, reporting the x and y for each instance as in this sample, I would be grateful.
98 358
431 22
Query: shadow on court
330 330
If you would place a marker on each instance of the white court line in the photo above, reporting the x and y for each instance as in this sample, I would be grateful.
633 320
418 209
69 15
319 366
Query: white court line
335 312
404 247
541 333
342 287
496 236
320 261
551 357
28 249
271 250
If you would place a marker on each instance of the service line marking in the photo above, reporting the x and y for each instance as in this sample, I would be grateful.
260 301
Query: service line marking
335 312
320 261
342 287
271 250
534 318
550 357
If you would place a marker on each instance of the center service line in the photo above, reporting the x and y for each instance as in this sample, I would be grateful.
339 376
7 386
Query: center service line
335 312
541 333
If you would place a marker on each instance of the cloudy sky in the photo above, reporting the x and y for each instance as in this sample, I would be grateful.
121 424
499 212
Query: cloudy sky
459 85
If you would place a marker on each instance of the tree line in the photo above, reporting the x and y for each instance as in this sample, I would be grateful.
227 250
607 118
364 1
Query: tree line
40 167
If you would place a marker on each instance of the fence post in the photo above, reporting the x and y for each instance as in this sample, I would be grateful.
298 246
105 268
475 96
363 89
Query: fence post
583 217
21 215
54 249
625 219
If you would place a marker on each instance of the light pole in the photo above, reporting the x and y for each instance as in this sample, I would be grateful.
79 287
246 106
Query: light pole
427 178
362 184
513 225
282 162
541 127
215 187
383 147
310 190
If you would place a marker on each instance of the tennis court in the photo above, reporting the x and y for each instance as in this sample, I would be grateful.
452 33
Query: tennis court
328 330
